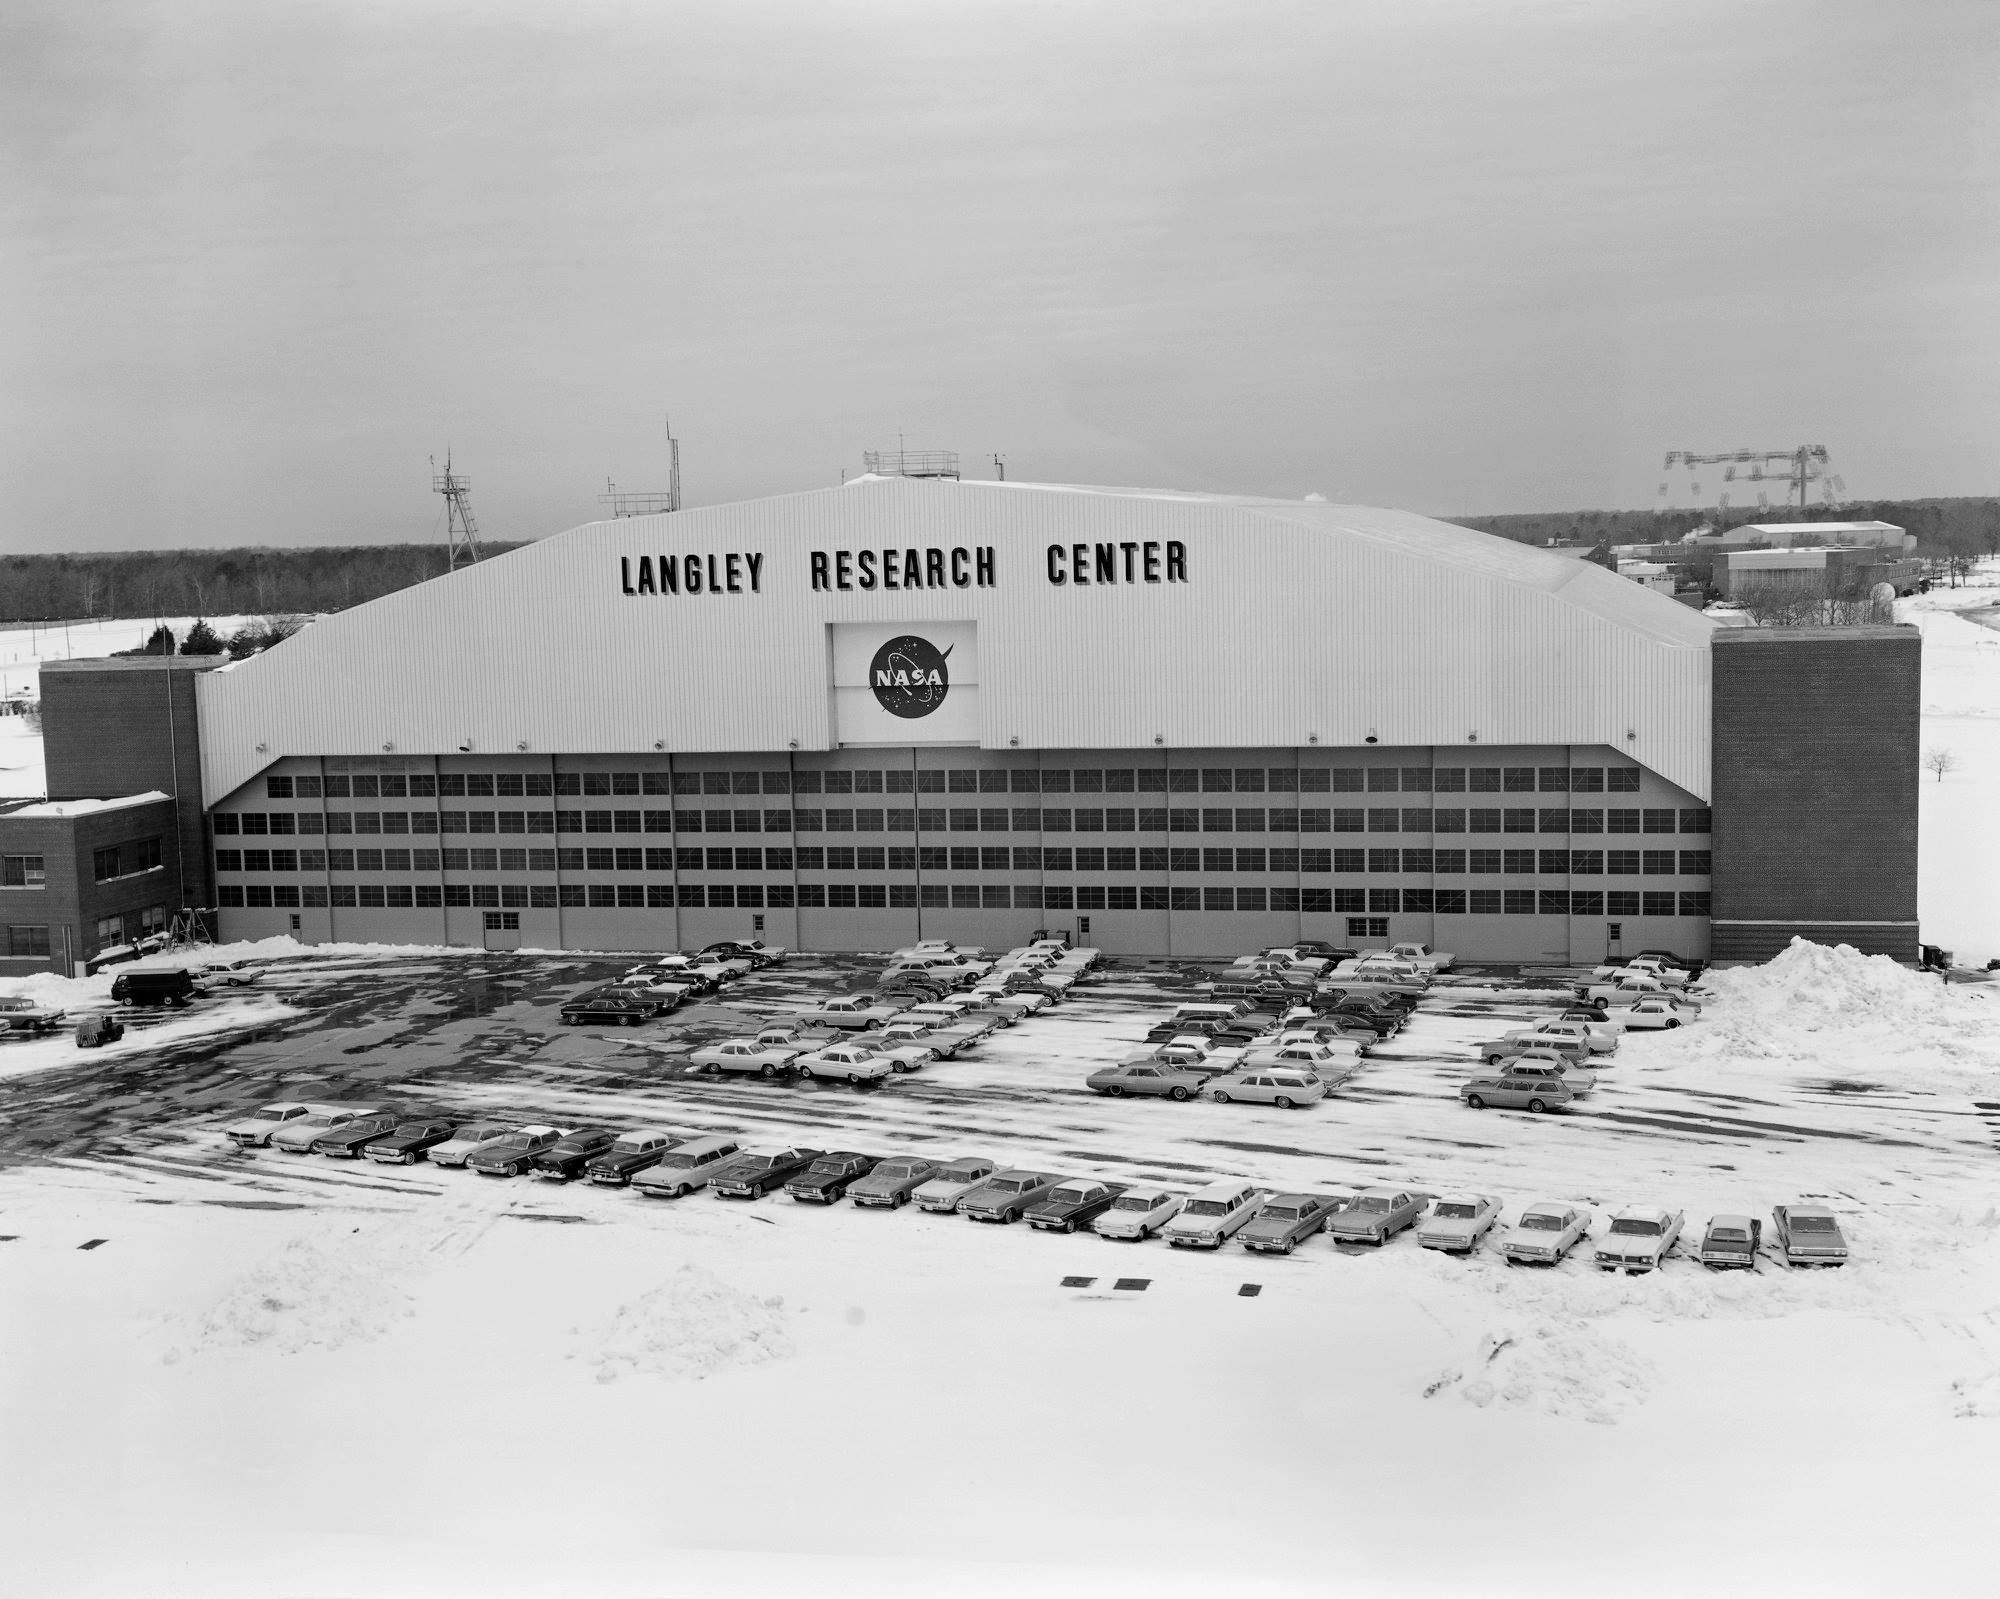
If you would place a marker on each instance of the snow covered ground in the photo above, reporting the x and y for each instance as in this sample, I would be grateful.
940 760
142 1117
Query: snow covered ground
303 1375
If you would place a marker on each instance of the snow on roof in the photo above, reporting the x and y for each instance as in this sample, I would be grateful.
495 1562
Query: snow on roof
88 807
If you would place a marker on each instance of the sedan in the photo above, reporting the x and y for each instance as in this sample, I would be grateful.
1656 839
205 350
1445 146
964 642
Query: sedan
615 1007
854 1063
1639 1240
1159 1079
1376 1216
1457 1222
1138 1213
952 1181
473 1135
630 1154
1579 1080
1283 1089
568 1155
828 1178
1005 1196
892 1182
513 1154
1731 1241
1546 1232
1808 1235
407 1142
345 1141
759 1169
1077 1203
750 1057
297 1136
1648 1013
1284 1219
255 1130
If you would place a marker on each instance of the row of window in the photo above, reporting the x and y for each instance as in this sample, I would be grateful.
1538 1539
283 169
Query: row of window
973 858
993 819
964 896
128 859
970 780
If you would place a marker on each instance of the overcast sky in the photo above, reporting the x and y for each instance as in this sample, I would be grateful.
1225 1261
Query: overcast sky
262 261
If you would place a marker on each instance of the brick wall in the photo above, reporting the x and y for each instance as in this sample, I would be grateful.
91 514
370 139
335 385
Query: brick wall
116 727
1816 745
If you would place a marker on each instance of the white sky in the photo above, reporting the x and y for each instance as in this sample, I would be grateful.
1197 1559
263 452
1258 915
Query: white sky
259 262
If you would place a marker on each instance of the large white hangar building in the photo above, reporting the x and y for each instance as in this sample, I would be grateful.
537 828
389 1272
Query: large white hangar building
1174 724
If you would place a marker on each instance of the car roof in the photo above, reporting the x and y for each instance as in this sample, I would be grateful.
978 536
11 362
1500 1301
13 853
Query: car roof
769 1149
1289 1199
1382 1191
1730 1219
966 1160
706 1141
1554 1206
1808 1208
1220 1187
1145 1190
1466 1199
287 1104
1641 1213
538 1127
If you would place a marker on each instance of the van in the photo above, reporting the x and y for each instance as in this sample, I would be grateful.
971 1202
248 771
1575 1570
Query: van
1213 1214
686 1168
154 985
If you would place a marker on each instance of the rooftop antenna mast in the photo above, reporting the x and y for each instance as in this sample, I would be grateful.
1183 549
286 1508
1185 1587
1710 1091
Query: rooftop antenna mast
648 502
461 536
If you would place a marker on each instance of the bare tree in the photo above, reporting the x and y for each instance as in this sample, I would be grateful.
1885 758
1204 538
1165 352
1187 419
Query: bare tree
1940 760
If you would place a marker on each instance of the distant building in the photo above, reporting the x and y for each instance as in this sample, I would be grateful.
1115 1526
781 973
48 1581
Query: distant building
1855 569
1794 535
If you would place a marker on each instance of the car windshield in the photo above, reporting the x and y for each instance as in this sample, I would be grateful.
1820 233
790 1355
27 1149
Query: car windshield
759 1162
632 1143
1631 1227
895 1168
829 1168
265 1115
1070 1196
316 1119
1374 1202
681 1161
1009 1185
1454 1212
1812 1224
1281 1212
1208 1207
1728 1235
1541 1222
964 1173
1139 1202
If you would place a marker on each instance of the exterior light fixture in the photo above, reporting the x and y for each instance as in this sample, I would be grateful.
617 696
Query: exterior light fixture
263 748
794 744
659 743
523 745
1015 741
465 746
1158 739
1370 739
387 747
1312 738
1630 733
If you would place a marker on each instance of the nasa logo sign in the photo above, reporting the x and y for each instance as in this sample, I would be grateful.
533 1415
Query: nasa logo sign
910 678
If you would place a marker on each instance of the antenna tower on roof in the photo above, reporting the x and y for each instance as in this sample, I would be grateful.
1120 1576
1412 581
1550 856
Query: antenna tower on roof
461 537
649 502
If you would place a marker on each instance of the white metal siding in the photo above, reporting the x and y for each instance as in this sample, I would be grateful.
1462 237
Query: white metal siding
1299 623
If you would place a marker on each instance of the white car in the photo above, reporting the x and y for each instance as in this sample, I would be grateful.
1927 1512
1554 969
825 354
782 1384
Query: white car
1139 1212
1423 957
295 1136
928 946
1539 1063
854 1063
1640 1239
255 1130
1547 1231
453 1150
1645 966
1457 1222
1286 1089
1650 1011
1333 1058
851 1011
1017 1006
685 1168
1621 989
745 1057
1213 1214
954 1180
1598 1037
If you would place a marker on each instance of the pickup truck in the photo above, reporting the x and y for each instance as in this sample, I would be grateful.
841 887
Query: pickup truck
855 1012
745 1057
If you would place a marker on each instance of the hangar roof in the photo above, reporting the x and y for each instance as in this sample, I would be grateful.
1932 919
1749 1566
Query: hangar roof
1285 623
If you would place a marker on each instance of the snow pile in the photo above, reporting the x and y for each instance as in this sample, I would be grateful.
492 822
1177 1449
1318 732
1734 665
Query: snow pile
1561 1367
1977 1398
317 1293
694 1326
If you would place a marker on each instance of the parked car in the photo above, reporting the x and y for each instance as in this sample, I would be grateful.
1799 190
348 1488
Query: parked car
1808 1235
568 1155
849 1062
1376 1215
28 1016
154 985
1547 1231
1285 1219
685 1167
95 1031
1666 957
473 1135
1630 986
756 952
1538 1064
1139 1212
1496 1050
1600 1038
1423 957
1731 1241
744 1056
1639 1240
1518 1091
512 1153
229 973
629 1154
829 1178
613 1007
1005 1196
938 1043
890 1183
1286 1089
345 1140
1457 1222
664 993
1648 966
759 1169
297 1136
1647 1012
1331 1063
1154 1078
1078 1202
952 1181
255 1130
1213 1214
407 1142
855 1012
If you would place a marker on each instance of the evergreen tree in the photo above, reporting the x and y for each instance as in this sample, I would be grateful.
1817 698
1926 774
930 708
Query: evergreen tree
201 640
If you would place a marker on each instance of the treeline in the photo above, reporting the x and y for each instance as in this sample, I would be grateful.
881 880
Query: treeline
1967 526
226 582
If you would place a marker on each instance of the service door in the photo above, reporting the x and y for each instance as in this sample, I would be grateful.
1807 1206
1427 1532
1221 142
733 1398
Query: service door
503 929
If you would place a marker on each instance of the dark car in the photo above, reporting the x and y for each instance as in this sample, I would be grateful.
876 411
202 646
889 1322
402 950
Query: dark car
1283 1221
759 1169
565 1158
730 950
630 1154
146 985
345 1141
1694 969
512 1153
1078 1202
1198 1027
1322 950
827 1178
407 1142
94 1031
1584 1010
611 1007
